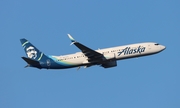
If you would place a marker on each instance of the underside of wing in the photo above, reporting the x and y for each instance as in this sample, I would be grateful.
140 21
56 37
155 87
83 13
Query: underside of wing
91 54
88 52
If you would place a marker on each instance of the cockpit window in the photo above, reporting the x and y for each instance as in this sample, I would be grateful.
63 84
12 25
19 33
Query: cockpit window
156 44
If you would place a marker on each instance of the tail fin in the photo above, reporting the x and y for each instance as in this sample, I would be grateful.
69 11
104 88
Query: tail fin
31 51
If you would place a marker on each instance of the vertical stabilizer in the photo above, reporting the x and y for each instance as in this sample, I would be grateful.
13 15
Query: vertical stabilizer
31 51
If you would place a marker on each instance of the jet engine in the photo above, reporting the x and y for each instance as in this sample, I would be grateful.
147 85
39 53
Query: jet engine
109 64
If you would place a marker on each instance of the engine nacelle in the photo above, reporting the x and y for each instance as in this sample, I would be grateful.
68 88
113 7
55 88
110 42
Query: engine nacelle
109 64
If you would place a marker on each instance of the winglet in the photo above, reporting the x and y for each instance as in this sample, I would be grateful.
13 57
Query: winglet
71 38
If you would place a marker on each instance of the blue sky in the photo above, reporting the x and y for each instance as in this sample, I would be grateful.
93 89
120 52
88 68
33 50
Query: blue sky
147 82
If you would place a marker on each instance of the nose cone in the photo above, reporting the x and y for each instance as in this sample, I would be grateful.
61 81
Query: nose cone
162 47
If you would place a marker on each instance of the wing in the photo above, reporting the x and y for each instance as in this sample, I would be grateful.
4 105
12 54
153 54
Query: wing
88 52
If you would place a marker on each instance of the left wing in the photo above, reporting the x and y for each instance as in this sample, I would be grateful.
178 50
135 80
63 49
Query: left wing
88 52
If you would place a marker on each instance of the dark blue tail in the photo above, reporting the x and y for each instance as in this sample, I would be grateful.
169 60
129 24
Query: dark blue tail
35 57
31 51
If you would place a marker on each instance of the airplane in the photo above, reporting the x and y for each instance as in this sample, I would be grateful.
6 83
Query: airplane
105 58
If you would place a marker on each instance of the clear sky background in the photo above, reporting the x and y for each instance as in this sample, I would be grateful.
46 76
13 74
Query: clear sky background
147 82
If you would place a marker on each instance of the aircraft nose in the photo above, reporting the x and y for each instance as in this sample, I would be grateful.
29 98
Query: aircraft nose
162 47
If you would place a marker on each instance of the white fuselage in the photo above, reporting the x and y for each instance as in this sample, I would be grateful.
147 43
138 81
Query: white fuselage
117 53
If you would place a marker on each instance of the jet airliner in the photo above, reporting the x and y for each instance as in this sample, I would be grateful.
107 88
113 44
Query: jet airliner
106 57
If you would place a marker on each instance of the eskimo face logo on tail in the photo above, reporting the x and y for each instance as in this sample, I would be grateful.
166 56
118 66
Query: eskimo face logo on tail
31 52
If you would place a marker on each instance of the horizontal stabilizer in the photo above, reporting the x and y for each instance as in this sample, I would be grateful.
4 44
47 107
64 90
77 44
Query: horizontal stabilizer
32 62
